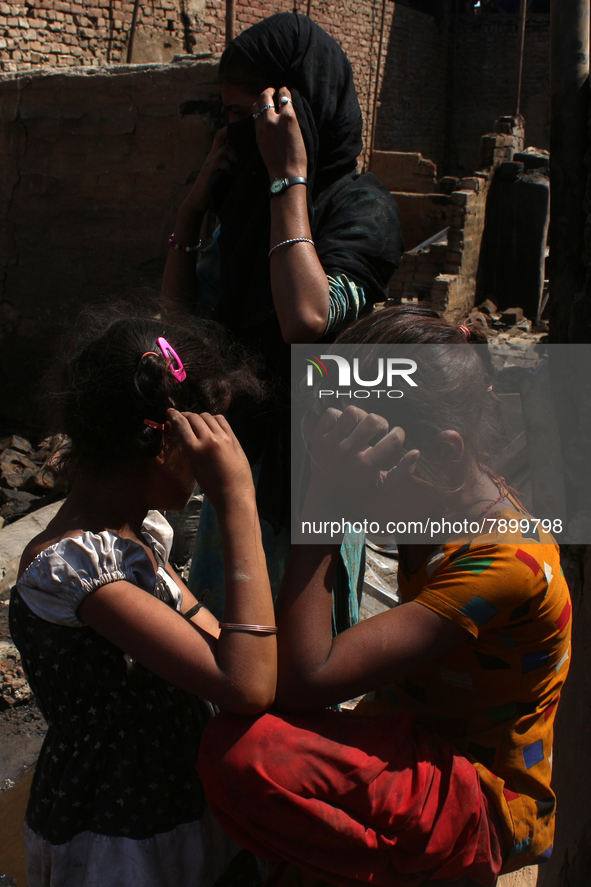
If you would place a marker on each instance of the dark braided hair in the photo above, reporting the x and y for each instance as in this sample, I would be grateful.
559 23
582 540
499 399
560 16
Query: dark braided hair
113 376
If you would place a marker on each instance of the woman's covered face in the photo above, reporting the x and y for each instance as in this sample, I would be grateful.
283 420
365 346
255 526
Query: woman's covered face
237 101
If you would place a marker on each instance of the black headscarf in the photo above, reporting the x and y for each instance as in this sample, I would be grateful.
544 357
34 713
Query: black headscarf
353 218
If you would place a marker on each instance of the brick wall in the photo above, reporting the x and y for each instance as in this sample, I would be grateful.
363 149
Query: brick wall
91 33
96 32
412 92
412 95
484 82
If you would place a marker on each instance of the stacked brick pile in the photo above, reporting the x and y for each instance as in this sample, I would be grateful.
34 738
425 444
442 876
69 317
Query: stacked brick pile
502 144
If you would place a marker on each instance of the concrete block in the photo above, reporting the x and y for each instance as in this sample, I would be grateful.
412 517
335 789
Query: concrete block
457 217
527 877
462 198
472 184
15 538
455 239
442 283
488 307
512 315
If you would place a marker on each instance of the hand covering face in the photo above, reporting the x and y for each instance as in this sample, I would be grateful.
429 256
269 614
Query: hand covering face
353 218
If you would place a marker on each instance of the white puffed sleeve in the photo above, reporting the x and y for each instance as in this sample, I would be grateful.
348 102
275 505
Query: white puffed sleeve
55 583
159 532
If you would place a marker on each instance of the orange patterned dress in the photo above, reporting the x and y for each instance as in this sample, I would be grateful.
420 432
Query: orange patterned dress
494 698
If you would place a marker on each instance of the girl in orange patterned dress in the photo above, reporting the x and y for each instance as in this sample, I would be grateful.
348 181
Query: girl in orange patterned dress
443 770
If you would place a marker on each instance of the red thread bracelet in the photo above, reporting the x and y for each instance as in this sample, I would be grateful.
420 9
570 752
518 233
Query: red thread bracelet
183 249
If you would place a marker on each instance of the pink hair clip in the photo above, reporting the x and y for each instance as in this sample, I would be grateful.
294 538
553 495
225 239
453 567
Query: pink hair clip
465 330
177 371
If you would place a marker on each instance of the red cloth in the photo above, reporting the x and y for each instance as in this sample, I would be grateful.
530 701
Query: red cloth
350 799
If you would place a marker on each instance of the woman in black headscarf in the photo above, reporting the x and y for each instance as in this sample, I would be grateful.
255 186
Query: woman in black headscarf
305 245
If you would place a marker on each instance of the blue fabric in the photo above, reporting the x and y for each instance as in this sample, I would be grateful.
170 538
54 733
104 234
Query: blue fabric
208 273
206 577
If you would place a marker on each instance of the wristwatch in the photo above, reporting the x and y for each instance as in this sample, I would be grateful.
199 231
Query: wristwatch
278 186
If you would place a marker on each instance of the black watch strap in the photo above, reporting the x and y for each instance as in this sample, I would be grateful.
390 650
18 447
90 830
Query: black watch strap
278 186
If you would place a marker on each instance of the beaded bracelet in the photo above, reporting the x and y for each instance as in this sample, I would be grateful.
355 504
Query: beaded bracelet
183 249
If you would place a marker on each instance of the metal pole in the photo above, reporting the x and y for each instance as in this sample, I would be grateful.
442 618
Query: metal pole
569 142
230 20
450 87
368 113
377 86
520 45
136 9
308 7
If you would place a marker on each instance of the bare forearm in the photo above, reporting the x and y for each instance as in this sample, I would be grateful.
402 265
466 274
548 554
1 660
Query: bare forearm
179 287
304 620
298 282
249 658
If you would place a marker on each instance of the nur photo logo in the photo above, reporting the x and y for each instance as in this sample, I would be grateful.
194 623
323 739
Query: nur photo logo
348 373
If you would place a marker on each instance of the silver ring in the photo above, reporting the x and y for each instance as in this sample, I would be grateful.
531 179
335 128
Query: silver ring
285 100
266 108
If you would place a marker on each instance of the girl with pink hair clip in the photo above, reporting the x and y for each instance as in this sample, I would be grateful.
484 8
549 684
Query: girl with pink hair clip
118 652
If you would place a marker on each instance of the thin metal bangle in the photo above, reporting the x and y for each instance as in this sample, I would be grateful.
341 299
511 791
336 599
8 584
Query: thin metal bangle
287 242
240 626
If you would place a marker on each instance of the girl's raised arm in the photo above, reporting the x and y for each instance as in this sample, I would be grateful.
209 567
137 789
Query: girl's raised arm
298 282
315 669
237 671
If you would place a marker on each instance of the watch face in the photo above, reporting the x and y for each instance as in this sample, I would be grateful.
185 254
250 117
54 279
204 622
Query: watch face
277 186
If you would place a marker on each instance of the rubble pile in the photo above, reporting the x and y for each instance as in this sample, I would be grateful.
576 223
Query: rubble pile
26 481
14 689
508 323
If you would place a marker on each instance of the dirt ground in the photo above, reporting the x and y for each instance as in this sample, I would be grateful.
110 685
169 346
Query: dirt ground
22 727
